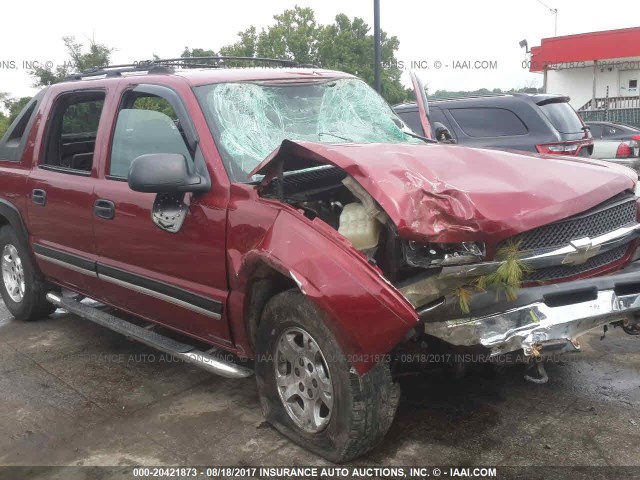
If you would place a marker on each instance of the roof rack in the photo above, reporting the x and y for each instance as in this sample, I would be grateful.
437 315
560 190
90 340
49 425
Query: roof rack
166 65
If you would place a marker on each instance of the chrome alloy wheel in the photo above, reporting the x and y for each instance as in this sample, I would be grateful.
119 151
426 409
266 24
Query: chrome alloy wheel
302 380
13 273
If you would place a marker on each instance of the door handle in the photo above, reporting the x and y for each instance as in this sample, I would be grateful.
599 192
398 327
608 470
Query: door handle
105 209
38 196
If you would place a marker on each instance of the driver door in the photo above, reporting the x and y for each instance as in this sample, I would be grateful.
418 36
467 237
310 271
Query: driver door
175 279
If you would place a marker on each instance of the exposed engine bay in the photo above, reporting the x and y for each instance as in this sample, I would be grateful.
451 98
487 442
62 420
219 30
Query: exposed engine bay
328 193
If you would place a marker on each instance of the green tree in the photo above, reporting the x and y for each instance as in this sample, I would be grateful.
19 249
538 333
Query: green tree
12 107
346 44
4 120
440 94
199 52
78 60
245 47
15 106
4 124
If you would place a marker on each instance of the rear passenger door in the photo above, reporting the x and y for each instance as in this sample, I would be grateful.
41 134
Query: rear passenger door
61 187
176 279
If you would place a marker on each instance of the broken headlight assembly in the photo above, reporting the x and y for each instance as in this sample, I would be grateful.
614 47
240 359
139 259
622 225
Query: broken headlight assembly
442 254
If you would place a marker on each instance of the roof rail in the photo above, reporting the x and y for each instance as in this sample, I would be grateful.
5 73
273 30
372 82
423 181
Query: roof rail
166 65
464 97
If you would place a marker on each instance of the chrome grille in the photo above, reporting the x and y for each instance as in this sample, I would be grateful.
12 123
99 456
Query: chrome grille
566 271
597 221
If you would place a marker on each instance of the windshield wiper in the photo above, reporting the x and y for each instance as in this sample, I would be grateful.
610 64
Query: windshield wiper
420 137
334 135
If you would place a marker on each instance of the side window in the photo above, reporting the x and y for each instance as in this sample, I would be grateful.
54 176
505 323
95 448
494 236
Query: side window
608 131
488 122
146 124
72 129
596 130
412 119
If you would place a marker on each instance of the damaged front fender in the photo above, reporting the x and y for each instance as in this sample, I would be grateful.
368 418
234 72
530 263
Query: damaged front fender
365 313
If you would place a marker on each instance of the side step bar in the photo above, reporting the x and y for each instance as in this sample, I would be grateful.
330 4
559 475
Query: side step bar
177 349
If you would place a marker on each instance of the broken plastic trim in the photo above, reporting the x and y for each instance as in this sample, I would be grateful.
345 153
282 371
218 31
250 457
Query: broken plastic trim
428 287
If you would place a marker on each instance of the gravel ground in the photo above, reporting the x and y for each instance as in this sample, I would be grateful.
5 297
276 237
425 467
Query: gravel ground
73 393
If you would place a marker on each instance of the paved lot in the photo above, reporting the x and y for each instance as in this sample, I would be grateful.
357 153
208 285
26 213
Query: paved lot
73 393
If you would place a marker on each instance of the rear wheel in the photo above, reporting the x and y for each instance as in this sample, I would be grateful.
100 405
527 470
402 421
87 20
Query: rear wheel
309 390
22 287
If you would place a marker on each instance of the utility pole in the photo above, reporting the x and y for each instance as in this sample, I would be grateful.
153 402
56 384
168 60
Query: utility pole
554 11
376 45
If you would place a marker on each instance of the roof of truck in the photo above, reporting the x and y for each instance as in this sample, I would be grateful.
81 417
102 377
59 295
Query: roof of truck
204 70
211 75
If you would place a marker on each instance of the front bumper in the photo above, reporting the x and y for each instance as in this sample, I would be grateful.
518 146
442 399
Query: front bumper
541 319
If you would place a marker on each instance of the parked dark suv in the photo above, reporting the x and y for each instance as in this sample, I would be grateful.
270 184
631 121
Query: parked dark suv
540 123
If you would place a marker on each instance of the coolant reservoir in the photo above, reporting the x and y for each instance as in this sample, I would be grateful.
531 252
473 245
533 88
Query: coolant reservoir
361 229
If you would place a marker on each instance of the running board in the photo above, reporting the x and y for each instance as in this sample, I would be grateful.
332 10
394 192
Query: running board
153 339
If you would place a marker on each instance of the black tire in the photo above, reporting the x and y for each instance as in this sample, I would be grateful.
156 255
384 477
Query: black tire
33 304
363 406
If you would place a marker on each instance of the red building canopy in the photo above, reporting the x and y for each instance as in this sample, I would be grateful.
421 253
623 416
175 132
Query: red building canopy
586 47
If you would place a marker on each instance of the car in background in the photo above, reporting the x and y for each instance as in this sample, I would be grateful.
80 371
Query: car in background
612 131
540 123
616 142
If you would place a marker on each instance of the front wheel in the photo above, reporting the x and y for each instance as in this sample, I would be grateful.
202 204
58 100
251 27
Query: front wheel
309 390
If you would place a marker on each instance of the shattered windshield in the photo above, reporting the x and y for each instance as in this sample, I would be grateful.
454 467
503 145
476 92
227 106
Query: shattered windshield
250 120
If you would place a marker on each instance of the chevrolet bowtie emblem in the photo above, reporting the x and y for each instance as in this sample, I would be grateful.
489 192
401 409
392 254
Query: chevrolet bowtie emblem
584 251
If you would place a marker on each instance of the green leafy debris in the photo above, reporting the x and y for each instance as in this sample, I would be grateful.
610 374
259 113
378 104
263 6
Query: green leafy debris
507 278
464 298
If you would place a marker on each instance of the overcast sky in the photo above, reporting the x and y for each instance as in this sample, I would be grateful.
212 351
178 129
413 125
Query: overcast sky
448 31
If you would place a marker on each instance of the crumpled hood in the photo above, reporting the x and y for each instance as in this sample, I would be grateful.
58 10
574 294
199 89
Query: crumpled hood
449 193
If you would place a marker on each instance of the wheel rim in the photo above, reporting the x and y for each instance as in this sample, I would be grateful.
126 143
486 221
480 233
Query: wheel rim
13 273
303 380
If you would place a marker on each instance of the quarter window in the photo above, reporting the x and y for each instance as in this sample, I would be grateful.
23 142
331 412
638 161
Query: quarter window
146 124
14 140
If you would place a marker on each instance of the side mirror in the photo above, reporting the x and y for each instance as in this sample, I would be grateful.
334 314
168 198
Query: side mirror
164 173
443 135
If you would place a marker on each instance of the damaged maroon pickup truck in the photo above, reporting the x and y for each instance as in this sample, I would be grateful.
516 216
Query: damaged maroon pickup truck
285 222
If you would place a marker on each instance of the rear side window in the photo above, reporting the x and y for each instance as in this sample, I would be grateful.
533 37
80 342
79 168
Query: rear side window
562 117
72 130
596 130
609 131
488 122
146 124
